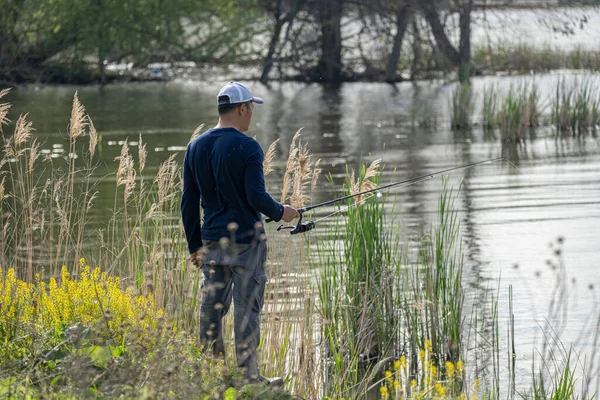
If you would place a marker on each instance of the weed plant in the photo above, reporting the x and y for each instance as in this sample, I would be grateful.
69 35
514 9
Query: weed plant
576 108
519 111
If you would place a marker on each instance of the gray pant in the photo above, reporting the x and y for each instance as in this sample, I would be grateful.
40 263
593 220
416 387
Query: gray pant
238 272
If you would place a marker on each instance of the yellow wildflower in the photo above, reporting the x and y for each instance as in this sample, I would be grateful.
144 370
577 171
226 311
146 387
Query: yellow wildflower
388 377
403 362
462 397
428 345
422 354
439 389
460 366
384 392
449 369
476 385
396 385
413 383
396 365
433 371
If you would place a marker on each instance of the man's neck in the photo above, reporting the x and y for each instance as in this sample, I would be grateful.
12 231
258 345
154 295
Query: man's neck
228 123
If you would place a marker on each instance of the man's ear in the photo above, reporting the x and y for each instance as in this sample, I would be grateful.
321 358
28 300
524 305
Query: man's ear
240 110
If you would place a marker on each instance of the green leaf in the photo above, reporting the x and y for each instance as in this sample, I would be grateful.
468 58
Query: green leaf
97 354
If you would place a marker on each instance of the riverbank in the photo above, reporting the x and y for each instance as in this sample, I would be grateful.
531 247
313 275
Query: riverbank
486 61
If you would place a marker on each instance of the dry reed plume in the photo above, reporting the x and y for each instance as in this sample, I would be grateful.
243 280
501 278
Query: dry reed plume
303 175
357 186
166 179
196 132
4 107
269 157
126 172
289 168
142 154
22 131
2 188
93 137
78 119
299 173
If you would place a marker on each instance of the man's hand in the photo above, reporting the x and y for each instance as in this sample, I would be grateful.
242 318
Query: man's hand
197 259
289 213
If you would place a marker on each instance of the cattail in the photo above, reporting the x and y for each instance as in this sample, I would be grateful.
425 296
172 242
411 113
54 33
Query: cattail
4 107
269 156
196 133
78 124
22 131
142 154
289 169
93 137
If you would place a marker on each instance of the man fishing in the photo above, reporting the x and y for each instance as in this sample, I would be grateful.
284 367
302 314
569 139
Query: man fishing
223 172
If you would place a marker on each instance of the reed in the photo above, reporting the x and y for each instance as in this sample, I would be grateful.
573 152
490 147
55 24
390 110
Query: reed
576 108
489 110
519 111
525 58
461 106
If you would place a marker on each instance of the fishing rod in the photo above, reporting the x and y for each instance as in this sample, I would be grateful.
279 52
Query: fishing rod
302 227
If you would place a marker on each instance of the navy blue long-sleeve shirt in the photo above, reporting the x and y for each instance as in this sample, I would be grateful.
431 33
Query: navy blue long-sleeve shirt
223 171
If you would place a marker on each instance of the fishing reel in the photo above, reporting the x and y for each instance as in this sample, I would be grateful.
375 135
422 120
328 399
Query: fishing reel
300 227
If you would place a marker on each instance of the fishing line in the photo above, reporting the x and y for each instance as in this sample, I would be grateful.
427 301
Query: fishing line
301 227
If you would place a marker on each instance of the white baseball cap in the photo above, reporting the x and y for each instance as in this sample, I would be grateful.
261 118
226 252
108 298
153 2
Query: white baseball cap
234 93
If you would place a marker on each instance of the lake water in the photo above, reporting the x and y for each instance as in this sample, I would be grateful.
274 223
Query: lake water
511 215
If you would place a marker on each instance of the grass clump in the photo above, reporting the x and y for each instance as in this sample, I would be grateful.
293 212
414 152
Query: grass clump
461 106
378 307
525 58
519 111
576 109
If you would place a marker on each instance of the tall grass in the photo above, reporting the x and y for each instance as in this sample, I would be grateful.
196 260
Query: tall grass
461 106
519 111
378 307
490 107
524 58
375 317
576 108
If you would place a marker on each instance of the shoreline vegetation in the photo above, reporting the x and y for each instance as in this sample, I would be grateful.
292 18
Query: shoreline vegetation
514 114
520 59
79 42
372 319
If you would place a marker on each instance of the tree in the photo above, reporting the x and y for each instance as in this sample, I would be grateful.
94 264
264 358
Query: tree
461 57
282 14
403 11
330 19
